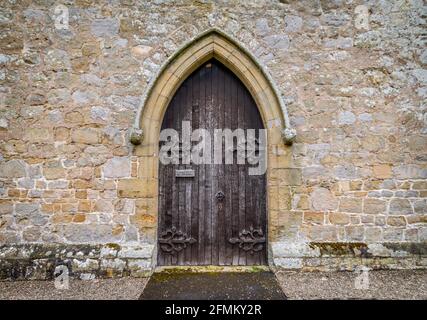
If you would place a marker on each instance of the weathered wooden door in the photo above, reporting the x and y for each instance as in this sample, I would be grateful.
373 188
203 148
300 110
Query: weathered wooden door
211 214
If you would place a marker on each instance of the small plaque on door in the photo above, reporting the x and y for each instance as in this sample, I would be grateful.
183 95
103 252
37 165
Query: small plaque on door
184 173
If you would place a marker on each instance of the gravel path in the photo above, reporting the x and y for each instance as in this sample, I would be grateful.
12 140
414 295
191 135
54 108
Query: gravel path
390 284
99 289
407 284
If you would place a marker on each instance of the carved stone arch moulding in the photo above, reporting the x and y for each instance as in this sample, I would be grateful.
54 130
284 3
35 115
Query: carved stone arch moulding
212 43
146 132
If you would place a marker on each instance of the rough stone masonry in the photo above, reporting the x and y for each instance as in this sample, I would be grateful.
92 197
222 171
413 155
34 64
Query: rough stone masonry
71 79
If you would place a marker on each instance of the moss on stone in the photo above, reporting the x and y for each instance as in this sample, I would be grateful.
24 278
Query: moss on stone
412 248
114 246
210 269
341 248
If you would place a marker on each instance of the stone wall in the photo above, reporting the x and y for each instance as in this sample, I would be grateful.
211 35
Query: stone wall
69 94
83 261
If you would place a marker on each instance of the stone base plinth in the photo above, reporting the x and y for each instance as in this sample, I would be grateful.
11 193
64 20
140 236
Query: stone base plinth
348 256
83 261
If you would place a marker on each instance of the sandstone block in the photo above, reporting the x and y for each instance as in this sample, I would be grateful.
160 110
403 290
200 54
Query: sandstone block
117 167
137 188
420 185
400 206
410 171
411 235
291 177
38 135
107 27
393 234
397 221
136 252
78 265
12 169
322 200
62 134
382 171
354 233
352 205
91 49
84 206
103 205
314 217
113 264
339 218
31 234
374 206
6 208
373 234
346 171
53 173
26 209
85 135
420 206
346 118
143 220
35 99
139 267
83 233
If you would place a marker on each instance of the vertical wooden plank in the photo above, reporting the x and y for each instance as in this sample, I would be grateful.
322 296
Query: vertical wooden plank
188 181
249 190
233 110
188 206
202 174
167 175
235 175
223 179
227 175
195 213
176 203
242 172
209 167
170 205
262 209
216 186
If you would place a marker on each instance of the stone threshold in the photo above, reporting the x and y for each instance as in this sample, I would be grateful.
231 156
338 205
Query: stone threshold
211 268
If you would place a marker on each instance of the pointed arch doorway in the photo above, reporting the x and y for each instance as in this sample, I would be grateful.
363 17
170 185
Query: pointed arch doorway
145 133
215 214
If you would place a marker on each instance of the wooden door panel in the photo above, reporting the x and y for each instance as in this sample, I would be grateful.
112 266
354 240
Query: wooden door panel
204 224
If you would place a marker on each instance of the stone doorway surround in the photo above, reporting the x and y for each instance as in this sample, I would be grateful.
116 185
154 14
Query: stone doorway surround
145 134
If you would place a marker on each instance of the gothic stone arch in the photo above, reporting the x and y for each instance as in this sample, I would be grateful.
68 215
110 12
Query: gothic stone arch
145 134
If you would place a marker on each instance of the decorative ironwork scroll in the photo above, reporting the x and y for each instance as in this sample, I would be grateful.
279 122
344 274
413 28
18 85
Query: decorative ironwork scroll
173 241
220 196
251 240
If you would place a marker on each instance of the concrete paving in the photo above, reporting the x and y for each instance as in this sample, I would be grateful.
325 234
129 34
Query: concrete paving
260 285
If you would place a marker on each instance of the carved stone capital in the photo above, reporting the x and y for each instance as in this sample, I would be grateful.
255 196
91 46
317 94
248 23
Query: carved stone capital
289 135
136 136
